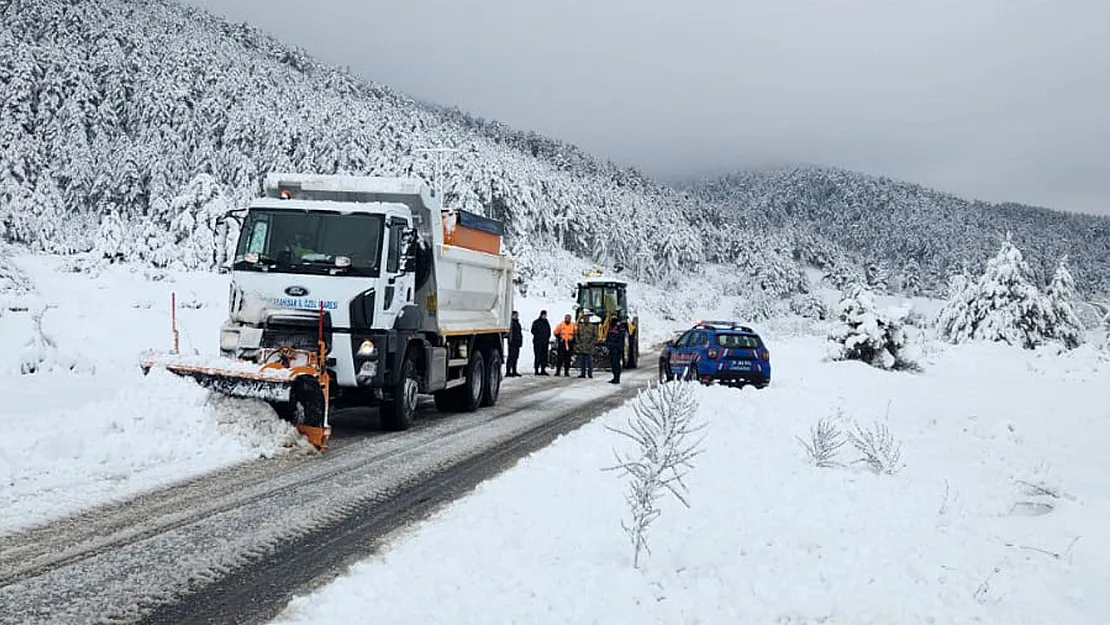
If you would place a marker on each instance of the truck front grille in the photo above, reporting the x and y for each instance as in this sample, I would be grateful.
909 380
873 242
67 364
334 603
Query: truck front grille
291 337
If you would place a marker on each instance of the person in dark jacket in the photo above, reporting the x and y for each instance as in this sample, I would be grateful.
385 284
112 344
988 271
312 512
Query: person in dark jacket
541 336
584 342
614 340
516 340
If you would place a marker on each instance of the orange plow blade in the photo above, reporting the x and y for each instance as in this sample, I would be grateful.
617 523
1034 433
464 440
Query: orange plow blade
285 388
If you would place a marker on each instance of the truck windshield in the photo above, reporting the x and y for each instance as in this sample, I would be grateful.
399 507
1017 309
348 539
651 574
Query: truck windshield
292 241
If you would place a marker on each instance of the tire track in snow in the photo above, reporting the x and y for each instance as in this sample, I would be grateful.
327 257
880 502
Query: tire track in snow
178 554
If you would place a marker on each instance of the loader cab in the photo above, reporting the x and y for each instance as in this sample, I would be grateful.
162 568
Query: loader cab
603 298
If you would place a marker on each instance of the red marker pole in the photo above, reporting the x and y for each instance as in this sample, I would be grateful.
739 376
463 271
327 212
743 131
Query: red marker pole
173 318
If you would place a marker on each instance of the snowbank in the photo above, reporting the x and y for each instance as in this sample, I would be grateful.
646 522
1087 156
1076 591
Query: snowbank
997 516
87 427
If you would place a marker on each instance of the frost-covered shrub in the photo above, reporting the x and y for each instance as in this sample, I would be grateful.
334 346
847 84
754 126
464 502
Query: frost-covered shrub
759 306
842 276
41 355
881 339
198 231
88 264
877 448
809 306
909 280
13 282
1002 305
667 438
824 443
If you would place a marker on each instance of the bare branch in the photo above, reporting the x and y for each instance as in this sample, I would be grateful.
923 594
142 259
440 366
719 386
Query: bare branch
667 440
877 448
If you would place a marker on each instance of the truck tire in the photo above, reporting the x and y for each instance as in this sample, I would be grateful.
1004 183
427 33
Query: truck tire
475 387
397 413
633 359
306 404
493 377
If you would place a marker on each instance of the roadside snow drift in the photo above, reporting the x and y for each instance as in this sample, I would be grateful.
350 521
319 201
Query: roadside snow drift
997 512
86 427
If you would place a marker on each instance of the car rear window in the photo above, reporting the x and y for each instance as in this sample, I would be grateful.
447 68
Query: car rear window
738 341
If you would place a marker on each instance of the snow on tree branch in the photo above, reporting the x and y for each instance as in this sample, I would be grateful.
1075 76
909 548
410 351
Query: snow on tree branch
1003 305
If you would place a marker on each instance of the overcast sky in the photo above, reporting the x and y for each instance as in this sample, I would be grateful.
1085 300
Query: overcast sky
993 99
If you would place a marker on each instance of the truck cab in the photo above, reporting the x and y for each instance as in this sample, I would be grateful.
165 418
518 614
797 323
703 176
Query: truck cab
406 306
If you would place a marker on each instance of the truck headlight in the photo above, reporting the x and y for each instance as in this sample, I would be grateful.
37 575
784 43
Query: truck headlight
367 349
229 340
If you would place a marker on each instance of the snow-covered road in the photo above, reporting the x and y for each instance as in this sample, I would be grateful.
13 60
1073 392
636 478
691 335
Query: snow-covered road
154 552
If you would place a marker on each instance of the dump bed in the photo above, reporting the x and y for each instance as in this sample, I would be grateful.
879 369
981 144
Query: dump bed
469 288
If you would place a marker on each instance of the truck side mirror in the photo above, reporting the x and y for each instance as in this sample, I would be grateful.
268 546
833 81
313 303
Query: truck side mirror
409 242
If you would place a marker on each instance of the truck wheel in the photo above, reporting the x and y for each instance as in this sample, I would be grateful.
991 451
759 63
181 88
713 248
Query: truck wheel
633 352
306 404
475 386
397 413
493 377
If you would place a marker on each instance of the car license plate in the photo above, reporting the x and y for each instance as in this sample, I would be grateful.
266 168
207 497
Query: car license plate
741 364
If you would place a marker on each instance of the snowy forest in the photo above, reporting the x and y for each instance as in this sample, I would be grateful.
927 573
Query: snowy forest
904 237
128 128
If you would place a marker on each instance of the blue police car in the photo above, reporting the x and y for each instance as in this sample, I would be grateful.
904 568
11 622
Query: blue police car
717 351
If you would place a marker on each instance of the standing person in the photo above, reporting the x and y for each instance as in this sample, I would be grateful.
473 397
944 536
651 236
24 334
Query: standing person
564 334
541 336
614 340
516 340
584 342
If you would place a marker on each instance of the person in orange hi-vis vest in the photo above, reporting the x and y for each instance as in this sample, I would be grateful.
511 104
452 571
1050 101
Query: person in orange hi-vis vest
564 337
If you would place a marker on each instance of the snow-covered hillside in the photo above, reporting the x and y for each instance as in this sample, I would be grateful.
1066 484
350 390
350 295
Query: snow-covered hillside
996 512
127 127
112 109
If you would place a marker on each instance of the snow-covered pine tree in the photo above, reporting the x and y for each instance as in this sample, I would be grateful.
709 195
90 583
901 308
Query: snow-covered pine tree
199 240
877 275
758 305
909 282
1002 305
1066 326
881 339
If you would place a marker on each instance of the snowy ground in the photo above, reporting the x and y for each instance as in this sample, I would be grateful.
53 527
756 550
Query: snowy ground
998 514
993 437
88 428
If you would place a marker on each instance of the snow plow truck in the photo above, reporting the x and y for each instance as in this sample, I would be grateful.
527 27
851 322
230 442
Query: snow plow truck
359 290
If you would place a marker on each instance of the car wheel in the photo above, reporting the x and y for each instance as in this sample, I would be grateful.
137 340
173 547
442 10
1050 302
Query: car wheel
664 372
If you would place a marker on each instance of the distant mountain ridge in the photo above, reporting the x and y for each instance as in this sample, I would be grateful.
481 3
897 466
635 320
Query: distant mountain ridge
893 225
